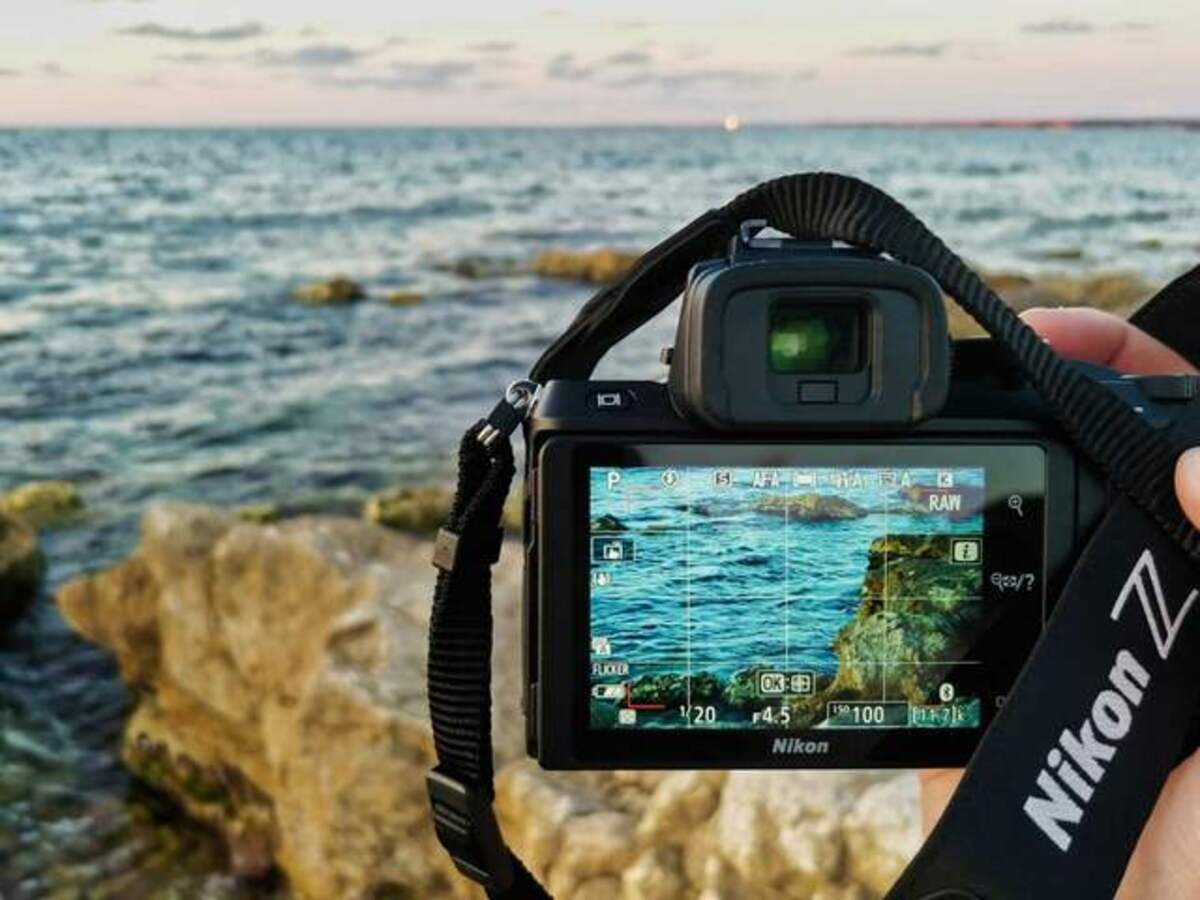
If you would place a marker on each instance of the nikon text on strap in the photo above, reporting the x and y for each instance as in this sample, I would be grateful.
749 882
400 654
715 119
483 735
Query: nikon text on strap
1060 786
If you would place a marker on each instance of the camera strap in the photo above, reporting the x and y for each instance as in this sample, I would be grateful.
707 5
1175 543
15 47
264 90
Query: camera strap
1060 786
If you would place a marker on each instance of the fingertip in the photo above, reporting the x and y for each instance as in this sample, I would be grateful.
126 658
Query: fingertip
1105 339
1187 483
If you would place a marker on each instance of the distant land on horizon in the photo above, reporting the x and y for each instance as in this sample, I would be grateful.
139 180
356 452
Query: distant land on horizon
1047 124
1064 123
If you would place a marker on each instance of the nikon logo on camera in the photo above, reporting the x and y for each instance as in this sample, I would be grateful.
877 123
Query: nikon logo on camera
792 745
1076 766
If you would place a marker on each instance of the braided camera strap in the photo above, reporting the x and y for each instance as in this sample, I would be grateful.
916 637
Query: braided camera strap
1101 711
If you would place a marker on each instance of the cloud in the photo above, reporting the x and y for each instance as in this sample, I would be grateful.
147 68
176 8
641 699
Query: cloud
188 59
53 70
166 32
497 47
927 51
409 76
312 56
1059 26
629 58
565 67
708 77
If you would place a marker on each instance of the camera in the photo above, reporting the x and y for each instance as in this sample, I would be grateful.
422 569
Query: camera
830 539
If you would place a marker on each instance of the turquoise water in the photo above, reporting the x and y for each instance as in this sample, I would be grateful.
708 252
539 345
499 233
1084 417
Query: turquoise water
717 584
149 348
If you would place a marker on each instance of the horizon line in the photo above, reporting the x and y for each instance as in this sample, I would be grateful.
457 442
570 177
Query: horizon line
999 122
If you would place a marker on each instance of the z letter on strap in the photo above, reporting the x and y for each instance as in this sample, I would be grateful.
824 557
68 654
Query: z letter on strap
1056 795
1070 769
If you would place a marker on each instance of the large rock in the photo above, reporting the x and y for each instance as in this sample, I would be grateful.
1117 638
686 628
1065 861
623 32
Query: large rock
280 671
810 507
916 604
423 510
21 566
594 266
281 691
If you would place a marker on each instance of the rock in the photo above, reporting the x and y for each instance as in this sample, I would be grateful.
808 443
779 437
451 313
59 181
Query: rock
1117 292
594 266
282 701
420 510
423 510
21 566
810 507
280 675
259 512
404 297
881 831
656 875
478 267
43 503
916 605
339 289
608 522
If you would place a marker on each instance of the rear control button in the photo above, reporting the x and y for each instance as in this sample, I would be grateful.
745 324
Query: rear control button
611 401
818 392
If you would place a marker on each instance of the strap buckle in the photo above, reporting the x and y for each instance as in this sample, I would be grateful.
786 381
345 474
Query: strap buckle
467 828
450 548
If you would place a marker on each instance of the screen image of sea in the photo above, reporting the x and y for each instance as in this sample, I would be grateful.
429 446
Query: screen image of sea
785 598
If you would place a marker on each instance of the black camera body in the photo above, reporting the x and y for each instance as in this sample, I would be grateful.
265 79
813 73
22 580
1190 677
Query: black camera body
830 540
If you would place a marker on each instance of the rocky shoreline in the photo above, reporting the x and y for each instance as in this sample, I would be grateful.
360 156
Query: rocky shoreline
1116 291
278 670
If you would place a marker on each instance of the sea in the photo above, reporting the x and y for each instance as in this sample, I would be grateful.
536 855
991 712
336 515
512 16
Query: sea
150 347
714 578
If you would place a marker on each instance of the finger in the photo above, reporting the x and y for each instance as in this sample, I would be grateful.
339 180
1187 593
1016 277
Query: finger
937 785
1099 337
1187 484
1164 864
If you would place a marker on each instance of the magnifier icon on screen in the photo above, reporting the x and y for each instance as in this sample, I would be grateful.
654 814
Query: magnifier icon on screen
1016 504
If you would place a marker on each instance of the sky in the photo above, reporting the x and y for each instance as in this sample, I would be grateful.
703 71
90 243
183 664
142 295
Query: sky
517 62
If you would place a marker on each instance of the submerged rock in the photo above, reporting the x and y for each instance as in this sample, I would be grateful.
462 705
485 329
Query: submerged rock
810 507
21 566
404 297
479 267
43 503
608 522
281 700
593 266
339 289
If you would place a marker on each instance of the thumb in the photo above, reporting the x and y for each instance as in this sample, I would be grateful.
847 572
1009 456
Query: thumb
1187 483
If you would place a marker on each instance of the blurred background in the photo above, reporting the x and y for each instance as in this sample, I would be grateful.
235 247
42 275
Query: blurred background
269 259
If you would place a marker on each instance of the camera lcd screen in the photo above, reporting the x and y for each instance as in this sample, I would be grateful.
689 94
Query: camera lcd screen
861 596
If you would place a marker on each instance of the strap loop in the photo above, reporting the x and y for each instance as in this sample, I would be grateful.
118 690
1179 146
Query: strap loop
466 827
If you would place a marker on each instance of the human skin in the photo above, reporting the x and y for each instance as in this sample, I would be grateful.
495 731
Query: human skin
1165 864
